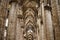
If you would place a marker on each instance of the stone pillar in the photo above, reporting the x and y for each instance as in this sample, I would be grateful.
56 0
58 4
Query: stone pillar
43 26
12 22
39 24
55 20
3 15
20 23
58 8
49 27
19 31
2 22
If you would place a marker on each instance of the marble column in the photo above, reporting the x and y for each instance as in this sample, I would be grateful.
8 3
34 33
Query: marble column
12 19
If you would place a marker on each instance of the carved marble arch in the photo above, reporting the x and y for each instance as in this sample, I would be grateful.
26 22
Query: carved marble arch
29 12
30 32
30 28
29 21
30 3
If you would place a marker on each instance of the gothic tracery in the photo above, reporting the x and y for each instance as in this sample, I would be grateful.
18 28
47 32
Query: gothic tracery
29 20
